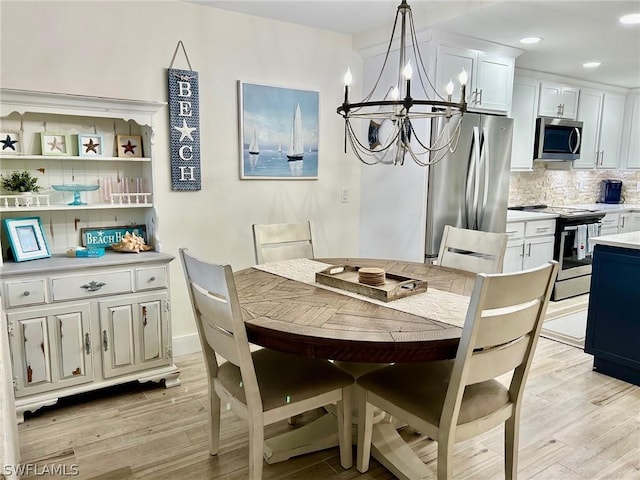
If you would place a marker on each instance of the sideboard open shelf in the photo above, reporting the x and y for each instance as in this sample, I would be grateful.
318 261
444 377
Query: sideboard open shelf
79 324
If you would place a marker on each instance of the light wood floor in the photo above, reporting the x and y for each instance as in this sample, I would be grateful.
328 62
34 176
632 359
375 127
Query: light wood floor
577 425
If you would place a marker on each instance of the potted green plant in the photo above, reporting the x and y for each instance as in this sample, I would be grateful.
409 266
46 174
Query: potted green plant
20 182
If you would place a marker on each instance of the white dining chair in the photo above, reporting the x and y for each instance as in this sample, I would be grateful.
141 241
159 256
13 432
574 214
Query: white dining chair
263 386
282 241
472 250
454 400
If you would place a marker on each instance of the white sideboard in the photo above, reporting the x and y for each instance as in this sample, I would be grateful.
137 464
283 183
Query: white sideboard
78 324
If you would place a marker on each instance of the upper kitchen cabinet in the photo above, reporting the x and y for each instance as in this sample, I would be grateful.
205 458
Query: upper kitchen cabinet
524 109
490 84
557 100
602 115
633 159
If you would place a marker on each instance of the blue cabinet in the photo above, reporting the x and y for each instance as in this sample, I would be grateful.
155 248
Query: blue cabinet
613 321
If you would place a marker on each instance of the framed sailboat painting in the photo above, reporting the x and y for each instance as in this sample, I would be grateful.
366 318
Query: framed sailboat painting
278 132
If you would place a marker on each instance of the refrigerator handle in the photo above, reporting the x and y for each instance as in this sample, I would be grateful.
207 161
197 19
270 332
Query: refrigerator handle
477 150
484 171
469 215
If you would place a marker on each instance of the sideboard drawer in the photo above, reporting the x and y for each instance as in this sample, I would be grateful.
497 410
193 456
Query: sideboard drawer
150 278
90 285
30 292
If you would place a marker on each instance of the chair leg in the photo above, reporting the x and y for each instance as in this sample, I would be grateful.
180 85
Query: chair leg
365 430
511 434
214 422
445 457
256 449
344 429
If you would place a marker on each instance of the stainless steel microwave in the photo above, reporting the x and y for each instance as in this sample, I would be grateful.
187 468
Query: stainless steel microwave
557 139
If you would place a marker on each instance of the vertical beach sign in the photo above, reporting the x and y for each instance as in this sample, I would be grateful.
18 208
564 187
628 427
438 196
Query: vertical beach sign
184 123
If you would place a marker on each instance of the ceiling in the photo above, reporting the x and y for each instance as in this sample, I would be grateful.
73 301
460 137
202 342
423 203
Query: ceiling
573 31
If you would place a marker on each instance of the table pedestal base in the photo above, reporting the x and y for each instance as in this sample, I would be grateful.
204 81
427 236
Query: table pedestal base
388 447
320 434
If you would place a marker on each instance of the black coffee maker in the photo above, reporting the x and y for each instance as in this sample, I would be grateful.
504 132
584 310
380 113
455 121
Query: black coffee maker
611 191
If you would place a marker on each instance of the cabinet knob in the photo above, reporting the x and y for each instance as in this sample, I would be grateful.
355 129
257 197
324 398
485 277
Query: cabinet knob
26 293
152 279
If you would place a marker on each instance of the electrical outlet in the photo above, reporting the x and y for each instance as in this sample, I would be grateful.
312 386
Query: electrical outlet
344 195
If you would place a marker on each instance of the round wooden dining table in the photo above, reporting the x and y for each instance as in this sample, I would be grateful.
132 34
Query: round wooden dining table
307 319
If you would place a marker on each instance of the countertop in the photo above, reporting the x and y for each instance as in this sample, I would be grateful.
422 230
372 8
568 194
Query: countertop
523 216
623 240
608 207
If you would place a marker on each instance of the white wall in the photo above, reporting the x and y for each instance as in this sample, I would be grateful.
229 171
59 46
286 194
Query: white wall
122 49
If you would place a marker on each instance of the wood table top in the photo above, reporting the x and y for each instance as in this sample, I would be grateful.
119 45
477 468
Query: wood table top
309 320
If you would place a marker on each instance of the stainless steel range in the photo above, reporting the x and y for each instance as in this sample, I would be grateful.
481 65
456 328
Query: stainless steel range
571 247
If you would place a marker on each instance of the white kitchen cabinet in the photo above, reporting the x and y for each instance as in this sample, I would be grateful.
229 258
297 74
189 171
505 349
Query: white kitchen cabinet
633 158
530 244
524 109
557 100
609 224
73 329
602 115
629 222
490 84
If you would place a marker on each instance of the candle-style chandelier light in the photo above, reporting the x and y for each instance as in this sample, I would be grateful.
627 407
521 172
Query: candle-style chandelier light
391 132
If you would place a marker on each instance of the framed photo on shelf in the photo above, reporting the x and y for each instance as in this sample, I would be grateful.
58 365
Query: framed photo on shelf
10 143
55 143
106 236
26 238
279 134
129 146
89 145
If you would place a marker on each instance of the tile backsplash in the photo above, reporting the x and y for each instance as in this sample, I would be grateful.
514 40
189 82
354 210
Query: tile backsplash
568 187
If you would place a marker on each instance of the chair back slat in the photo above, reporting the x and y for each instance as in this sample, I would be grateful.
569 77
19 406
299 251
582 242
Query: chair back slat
286 252
282 241
515 290
502 326
217 324
487 364
472 250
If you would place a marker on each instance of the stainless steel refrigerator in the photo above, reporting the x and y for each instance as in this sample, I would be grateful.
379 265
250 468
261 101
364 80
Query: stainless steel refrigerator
469 188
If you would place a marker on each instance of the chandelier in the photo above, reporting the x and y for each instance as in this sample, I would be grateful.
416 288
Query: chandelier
391 133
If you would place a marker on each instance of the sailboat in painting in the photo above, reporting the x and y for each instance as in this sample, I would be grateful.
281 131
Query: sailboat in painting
254 149
296 144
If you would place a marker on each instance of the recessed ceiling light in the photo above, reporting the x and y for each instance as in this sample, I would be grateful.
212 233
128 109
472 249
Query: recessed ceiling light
530 40
591 64
631 19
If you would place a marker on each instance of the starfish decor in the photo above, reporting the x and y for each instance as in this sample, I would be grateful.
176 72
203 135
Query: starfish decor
56 144
8 143
91 147
129 147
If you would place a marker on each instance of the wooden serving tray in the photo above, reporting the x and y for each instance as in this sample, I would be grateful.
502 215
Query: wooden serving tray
345 277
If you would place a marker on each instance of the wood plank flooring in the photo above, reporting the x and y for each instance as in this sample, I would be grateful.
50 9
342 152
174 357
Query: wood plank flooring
576 425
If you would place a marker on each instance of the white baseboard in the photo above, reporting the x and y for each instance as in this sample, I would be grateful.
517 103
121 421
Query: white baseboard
186 344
